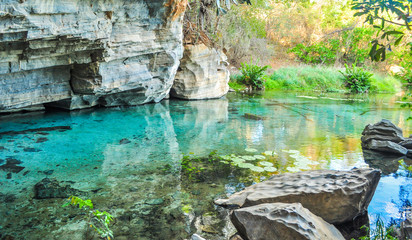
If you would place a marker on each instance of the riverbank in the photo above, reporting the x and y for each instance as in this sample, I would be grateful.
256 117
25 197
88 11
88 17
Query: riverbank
317 78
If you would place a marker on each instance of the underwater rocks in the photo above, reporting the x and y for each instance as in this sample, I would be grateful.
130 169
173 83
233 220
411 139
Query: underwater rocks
11 165
286 221
386 137
76 54
51 188
202 74
253 116
406 226
335 196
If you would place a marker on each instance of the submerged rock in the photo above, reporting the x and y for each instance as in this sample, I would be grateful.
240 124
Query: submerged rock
253 116
387 162
11 165
406 226
286 221
202 74
335 196
383 130
51 188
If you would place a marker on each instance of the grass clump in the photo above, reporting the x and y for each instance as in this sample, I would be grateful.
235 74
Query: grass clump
304 78
234 83
327 79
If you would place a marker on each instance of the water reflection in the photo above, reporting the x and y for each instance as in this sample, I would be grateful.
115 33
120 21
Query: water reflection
128 159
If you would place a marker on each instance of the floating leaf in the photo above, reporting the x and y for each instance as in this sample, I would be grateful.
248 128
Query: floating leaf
257 169
245 165
260 157
225 162
248 158
270 153
270 169
292 169
291 151
226 157
266 164
250 150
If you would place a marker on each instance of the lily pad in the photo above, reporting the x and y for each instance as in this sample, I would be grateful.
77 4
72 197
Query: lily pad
270 153
226 157
245 165
266 164
250 150
248 158
270 169
257 169
225 162
260 157
291 151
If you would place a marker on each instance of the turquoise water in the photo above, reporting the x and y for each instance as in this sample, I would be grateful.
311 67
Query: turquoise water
128 160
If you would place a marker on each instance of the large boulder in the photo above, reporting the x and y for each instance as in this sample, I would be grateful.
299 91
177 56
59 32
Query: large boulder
335 196
286 221
385 146
384 131
202 74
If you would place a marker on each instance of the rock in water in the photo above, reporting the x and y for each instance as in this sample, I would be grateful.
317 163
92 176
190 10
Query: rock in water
51 188
384 131
286 221
385 146
406 226
335 196
202 74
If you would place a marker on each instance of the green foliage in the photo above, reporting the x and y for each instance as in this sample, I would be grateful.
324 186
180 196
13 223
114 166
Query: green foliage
235 84
99 221
357 79
380 14
380 232
303 78
318 53
253 75
406 168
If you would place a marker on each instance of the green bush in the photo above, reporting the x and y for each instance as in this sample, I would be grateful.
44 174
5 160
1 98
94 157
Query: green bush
253 75
318 53
357 79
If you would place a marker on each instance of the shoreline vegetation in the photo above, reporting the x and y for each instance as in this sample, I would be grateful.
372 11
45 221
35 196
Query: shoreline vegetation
318 79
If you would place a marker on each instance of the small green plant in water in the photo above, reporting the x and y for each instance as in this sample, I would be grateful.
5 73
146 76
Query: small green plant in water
100 221
406 168
408 103
380 232
253 75
357 79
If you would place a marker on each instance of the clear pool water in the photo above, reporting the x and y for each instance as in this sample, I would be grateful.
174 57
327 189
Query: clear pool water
128 160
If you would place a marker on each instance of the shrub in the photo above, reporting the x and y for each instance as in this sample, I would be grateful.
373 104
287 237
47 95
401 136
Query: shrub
318 53
356 78
253 75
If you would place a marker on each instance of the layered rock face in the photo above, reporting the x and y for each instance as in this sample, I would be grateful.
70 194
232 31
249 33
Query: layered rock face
335 196
282 221
202 74
76 54
386 137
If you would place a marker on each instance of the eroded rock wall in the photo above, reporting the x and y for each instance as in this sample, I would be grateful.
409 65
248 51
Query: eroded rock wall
82 53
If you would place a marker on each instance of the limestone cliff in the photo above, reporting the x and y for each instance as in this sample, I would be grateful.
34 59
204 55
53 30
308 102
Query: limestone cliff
81 53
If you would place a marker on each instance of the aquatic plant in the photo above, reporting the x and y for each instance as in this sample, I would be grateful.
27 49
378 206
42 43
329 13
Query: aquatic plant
100 221
379 232
406 168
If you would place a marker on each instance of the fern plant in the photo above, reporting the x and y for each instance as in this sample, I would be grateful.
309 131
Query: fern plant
99 221
253 75
357 79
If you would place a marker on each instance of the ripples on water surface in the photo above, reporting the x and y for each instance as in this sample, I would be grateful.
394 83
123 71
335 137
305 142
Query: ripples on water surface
127 160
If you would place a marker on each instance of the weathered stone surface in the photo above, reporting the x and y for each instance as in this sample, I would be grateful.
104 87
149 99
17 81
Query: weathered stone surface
51 188
286 221
87 53
407 143
384 131
202 74
406 226
335 196
385 146
197 237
